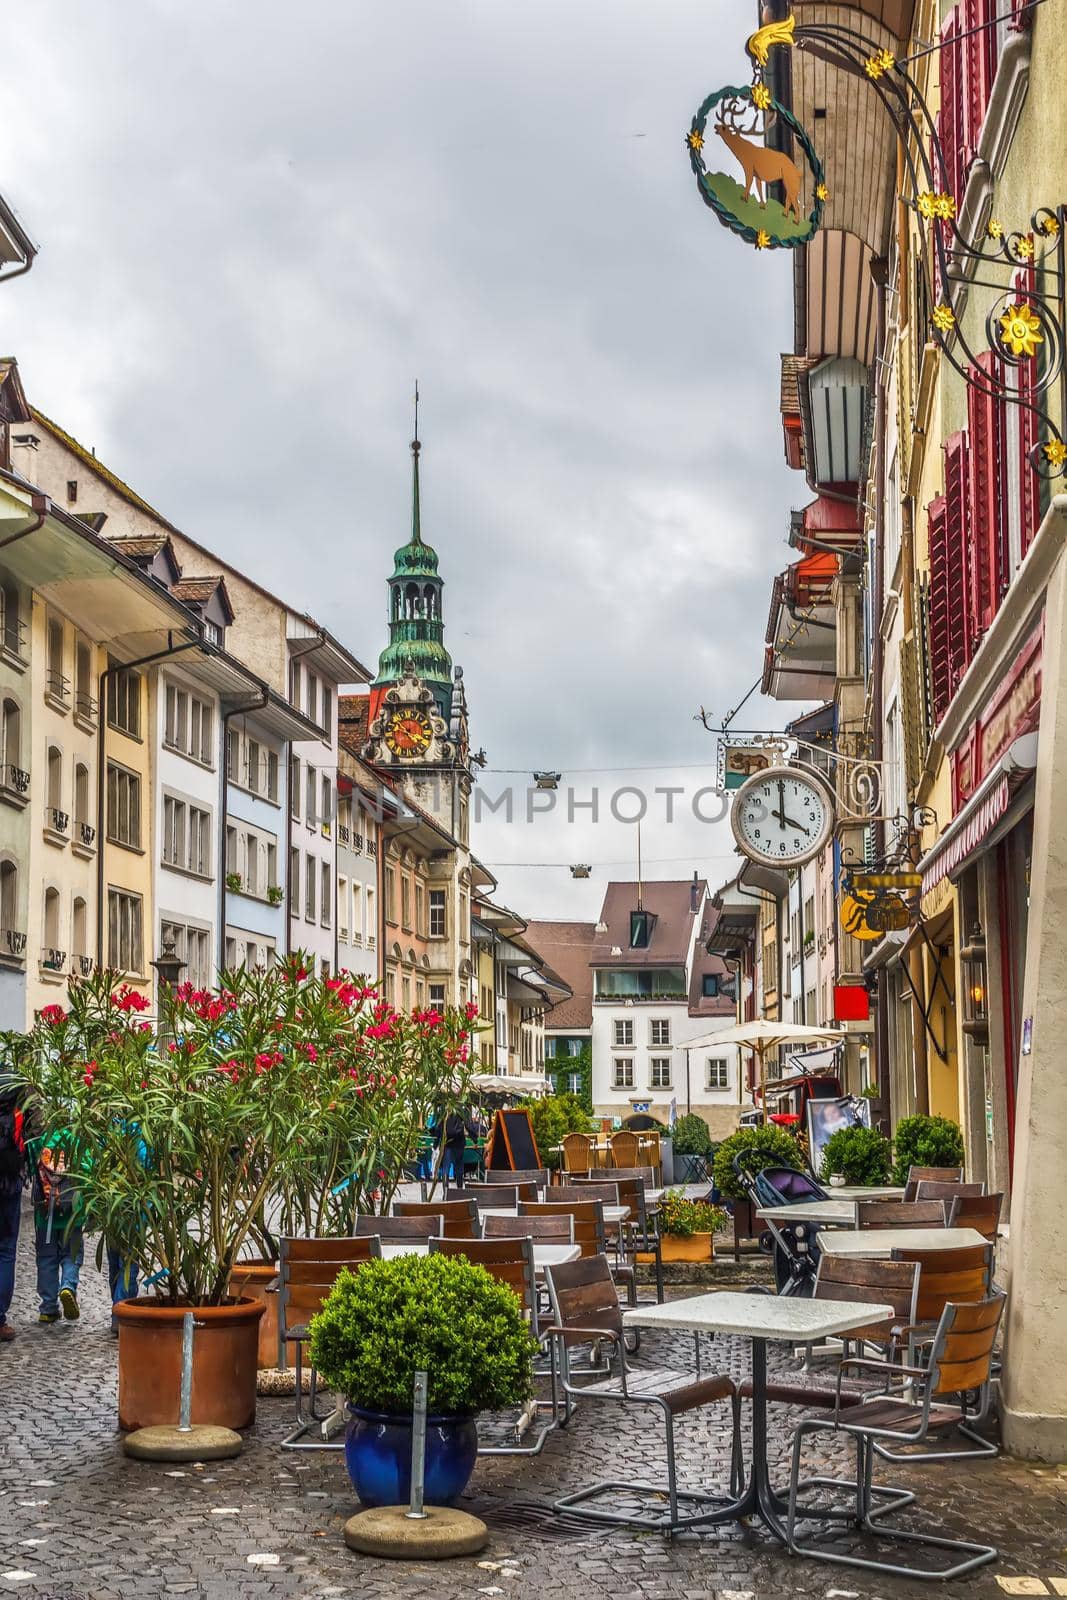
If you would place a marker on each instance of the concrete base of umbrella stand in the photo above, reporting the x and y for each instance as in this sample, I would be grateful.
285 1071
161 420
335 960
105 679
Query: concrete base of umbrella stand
439 1532
416 1532
184 1440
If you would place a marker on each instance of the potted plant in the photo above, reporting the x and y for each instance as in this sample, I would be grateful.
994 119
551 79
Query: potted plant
234 882
688 1227
861 1156
924 1141
435 1314
283 1096
275 894
691 1138
778 1149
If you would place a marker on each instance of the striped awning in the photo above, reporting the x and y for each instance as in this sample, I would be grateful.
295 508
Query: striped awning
965 832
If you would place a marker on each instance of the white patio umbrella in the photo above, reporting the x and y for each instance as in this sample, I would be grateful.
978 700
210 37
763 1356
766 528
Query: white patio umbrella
761 1036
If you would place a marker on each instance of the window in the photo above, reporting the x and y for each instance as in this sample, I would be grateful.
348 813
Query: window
84 703
437 996
174 831
310 787
272 865
272 775
9 901
176 718
342 908
622 1072
309 889
294 683
124 809
294 883
437 913
51 924
193 946
326 901
294 787
124 944
233 756
716 1073
709 986
79 928
327 709
81 794
327 804
313 697
11 736
660 1031
11 627
253 765
405 989
641 929
124 700
405 901
390 894
55 781
574 1083
624 1032
250 880
56 680
357 913
372 926
420 910
660 1072
199 859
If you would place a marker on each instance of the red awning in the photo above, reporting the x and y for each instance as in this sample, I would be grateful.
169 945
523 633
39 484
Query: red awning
966 831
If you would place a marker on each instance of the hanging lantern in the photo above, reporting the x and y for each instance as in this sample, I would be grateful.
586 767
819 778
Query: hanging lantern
975 988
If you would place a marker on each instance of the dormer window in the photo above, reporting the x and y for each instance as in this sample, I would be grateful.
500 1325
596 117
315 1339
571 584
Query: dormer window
213 633
641 923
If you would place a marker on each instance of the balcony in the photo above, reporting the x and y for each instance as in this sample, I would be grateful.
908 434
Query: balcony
83 840
357 843
12 943
53 962
14 785
81 966
57 691
85 711
13 644
344 833
56 825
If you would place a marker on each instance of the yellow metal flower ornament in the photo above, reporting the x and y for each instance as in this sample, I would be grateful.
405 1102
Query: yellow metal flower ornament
1023 248
1055 452
944 207
927 204
1020 330
1050 226
944 318
821 192
994 229
763 239
695 140
761 96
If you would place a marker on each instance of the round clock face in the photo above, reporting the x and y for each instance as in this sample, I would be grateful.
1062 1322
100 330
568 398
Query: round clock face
782 816
408 733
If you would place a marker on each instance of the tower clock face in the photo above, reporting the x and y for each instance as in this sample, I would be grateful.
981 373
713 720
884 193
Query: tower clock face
408 733
782 816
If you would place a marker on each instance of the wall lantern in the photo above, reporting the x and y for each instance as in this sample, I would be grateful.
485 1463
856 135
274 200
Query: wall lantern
975 988
581 870
547 780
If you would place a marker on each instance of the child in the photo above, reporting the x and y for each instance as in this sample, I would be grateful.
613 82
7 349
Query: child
60 1241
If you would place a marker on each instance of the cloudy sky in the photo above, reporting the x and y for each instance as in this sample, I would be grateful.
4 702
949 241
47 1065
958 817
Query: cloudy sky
259 224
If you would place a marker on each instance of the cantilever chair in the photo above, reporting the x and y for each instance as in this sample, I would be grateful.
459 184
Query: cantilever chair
587 1312
960 1360
917 1175
307 1271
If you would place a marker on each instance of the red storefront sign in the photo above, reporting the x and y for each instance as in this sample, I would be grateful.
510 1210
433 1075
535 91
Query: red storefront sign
852 1003
1013 711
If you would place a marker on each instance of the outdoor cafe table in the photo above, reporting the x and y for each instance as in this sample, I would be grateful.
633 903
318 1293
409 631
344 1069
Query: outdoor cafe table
611 1213
545 1255
763 1319
838 1212
878 1244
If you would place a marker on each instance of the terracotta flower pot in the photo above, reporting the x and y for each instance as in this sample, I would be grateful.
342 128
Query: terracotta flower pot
251 1280
224 1363
688 1247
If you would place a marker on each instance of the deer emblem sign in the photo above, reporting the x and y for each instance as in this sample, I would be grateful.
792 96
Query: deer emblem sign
763 166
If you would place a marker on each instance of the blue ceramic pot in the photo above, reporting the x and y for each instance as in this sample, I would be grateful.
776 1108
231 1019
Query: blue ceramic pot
378 1457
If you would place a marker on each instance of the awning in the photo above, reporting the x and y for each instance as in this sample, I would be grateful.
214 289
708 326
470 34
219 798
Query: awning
981 814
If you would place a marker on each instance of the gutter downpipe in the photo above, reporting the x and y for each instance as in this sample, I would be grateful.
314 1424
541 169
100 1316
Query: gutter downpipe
297 655
101 774
40 503
880 274
220 938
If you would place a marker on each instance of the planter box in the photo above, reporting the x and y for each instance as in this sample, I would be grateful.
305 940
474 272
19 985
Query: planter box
258 1280
150 1360
695 1247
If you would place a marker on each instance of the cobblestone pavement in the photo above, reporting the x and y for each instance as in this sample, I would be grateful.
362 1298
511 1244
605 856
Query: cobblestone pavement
78 1521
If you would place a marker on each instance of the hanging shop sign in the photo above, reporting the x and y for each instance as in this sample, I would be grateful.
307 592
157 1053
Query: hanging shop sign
732 126
871 917
1013 711
740 761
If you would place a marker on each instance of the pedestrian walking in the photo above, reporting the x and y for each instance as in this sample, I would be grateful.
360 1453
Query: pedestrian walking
60 1241
13 1172
453 1131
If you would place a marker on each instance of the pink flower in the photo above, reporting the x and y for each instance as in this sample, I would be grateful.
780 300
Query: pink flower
53 1015
471 1010
311 1053
128 999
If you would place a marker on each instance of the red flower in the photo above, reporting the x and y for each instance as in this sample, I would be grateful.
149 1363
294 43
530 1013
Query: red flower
128 999
311 1053
471 1010
53 1015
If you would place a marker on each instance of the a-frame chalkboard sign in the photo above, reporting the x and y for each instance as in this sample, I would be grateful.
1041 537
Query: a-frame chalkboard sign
512 1146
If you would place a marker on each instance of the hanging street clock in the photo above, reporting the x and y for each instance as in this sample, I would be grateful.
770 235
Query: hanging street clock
408 732
783 817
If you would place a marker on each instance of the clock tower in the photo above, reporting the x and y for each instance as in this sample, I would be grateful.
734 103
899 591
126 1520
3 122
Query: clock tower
418 705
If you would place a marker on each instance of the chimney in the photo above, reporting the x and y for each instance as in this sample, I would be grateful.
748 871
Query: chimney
694 895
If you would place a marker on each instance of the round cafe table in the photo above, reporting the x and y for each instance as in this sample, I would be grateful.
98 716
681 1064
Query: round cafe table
545 1254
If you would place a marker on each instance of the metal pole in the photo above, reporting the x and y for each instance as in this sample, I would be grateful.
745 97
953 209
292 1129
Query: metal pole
418 1450
185 1405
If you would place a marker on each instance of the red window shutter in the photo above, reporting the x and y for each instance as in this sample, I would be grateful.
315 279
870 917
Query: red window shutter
979 67
951 121
987 506
938 609
1029 480
961 623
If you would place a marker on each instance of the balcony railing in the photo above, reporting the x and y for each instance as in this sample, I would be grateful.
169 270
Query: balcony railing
85 706
57 687
344 833
12 942
56 821
81 965
13 636
357 842
86 834
53 960
15 779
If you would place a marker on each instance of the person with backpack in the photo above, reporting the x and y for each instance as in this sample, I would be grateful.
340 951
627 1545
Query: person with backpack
453 1130
58 1216
13 1172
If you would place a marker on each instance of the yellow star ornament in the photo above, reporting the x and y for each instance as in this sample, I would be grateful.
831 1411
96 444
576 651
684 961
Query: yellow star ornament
695 140
761 96
1020 331
944 318
763 239
822 192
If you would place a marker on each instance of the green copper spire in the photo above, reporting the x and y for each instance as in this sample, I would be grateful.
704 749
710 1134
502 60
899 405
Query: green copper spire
416 623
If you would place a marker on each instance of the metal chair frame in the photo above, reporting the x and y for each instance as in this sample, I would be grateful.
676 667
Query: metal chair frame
334 1255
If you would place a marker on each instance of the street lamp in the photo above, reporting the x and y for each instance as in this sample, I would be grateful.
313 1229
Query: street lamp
975 989
169 966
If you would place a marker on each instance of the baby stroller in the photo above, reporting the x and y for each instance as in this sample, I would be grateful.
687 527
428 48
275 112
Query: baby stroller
793 1245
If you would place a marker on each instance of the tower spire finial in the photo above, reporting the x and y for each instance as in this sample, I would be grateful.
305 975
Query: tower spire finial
416 527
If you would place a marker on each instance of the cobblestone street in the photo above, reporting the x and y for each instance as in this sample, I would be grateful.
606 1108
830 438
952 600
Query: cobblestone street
78 1521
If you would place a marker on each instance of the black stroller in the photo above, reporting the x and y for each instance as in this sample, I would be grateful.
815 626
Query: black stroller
794 1245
